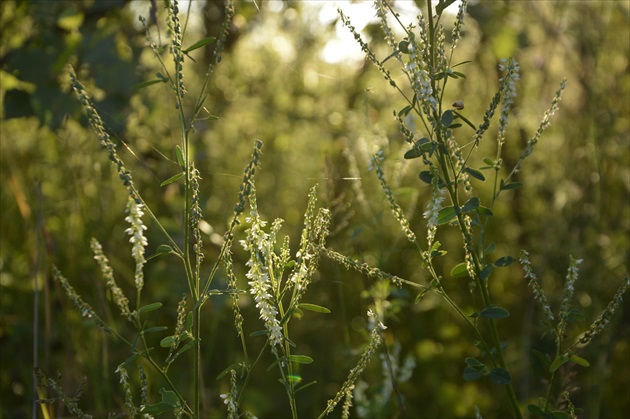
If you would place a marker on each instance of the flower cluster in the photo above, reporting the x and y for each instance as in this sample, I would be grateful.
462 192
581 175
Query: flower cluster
175 32
459 22
567 294
231 399
604 318
355 373
364 268
124 381
119 298
508 89
539 294
84 308
260 249
96 123
544 124
398 212
433 207
138 240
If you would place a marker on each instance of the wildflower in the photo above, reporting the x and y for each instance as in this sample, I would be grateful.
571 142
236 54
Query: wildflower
567 294
138 240
539 295
231 399
375 162
604 318
261 253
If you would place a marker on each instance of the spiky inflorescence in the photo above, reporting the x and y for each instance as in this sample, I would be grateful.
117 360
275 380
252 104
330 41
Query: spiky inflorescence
434 206
604 318
196 214
396 210
84 308
366 49
364 268
456 35
96 123
261 249
124 381
137 239
508 86
539 294
69 402
233 285
180 331
313 239
175 33
355 373
231 399
544 124
108 274
567 295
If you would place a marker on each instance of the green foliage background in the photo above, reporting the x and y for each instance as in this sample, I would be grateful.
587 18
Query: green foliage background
320 123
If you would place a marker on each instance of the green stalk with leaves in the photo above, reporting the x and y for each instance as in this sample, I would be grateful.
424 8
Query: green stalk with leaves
447 144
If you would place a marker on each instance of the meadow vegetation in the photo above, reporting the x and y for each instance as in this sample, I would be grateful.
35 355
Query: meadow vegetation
203 217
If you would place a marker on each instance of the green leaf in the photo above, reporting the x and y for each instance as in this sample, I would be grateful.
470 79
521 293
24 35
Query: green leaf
172 179
129 360
475 173
259 333
167 342
403 46
471 204
471 374
147 83
481 210
180 157
185 348
446 214
579 360
485 272
488 161
474 362
458 74
164 248
405 111
412 154
500 376
189 322
459 271
494 312
558 362
169 397
234 367
156 408
447 118
300 359
307 385
535 410
149 307
426 145
155 329
314 307
504 261
209 118
199 44
426 177
513 185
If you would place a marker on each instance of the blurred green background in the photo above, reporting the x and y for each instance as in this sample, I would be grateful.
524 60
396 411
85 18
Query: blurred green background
288 77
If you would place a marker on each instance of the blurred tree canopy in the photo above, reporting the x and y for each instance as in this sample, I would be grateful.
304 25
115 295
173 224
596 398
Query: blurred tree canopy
320 121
